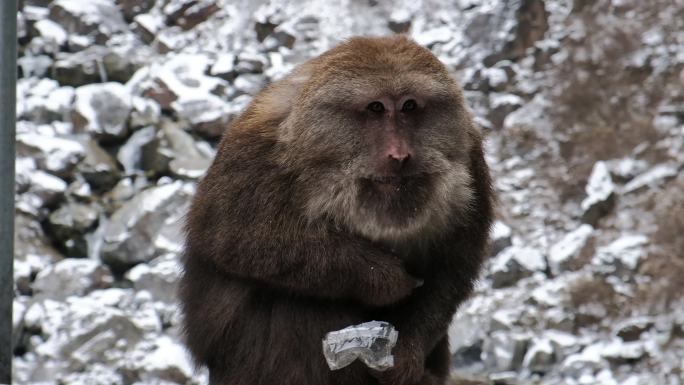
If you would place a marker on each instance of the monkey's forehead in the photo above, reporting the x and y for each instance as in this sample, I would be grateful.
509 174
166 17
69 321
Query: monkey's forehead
397 54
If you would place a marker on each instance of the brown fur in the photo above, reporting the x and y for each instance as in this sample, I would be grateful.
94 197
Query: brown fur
283 246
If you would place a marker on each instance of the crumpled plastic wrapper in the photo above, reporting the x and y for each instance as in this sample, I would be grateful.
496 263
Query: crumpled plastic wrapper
371 342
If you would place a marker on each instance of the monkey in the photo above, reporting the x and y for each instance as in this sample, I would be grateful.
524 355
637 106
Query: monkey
353 189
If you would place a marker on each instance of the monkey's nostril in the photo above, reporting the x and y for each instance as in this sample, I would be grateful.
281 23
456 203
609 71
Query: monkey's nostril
401 158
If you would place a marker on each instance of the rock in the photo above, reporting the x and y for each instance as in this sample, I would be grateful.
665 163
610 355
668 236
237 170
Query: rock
123 191
505 351
99 18
571 250
540 357
399 21
161 358
58 155
98 167
631 329
529 25
43 101
496 79
147 26
102 110
102 327
70 277
96 374
515 263
176 152
500 237
130 154
94 64
48 188
52 33
627 168
69 224
224 66
33 250
431 37
159 277
619 352
504 319
600 198
182 86
263 28
128 236
189 13
280 38
249 84
588 360
501 105
77 70
132 8
466 341
145 112
625 252
654 178
34 65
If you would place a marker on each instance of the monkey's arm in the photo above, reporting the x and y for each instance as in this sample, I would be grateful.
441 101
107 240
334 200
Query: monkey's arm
246 223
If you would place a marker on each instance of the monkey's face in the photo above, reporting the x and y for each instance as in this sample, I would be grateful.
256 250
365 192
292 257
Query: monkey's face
383 153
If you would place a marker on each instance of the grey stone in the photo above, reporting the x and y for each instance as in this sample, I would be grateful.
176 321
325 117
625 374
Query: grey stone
161 358
632 329
501 105
653 178
69 225
58 155
506 350
515 263
500 237
72 276
568 252
98 167
601 195
128 236
189 13
540 357
100 18
132 8
159 277
130 154
102 110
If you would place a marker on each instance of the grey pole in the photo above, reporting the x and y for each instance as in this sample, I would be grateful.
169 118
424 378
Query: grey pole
8 82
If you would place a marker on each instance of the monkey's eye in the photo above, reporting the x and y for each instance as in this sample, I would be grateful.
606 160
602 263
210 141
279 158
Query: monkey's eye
409 105
376 107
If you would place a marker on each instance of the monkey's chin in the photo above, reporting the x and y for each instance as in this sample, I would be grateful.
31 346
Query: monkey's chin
391 207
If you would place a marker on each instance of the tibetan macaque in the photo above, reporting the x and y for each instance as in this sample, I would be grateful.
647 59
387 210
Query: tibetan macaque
354 189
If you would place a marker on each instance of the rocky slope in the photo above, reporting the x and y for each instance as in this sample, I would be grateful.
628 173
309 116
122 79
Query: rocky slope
121 104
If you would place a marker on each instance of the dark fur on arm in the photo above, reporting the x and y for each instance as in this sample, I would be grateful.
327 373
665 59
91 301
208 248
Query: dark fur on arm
248 214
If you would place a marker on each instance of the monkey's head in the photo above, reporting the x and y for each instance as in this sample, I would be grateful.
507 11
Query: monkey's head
380 136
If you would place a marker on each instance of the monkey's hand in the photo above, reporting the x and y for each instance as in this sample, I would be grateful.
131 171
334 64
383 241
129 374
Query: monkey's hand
385 282
409 365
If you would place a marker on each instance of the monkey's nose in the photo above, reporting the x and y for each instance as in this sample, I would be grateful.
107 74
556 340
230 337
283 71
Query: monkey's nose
399 157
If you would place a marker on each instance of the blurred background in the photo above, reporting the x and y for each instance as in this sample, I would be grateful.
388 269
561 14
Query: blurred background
121 104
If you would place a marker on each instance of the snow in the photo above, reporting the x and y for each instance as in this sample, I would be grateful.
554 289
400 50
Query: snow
599 187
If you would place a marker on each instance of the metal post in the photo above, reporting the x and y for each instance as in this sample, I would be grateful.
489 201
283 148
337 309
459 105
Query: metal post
8 82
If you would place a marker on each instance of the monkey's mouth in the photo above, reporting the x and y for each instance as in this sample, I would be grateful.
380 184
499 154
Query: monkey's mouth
387 184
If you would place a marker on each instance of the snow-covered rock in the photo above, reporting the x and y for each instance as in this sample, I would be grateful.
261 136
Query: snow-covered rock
515 263
600 194
101 110
72 276
564 255
128 236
